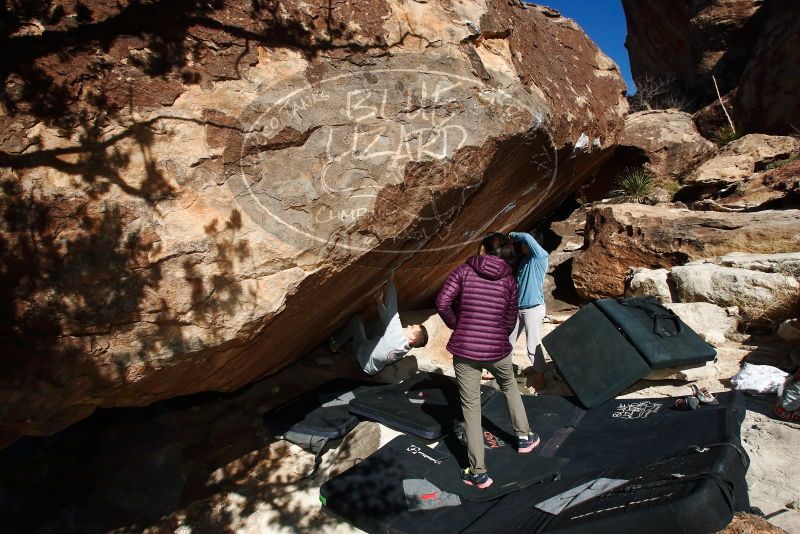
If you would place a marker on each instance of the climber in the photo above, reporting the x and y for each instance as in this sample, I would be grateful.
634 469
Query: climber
394 341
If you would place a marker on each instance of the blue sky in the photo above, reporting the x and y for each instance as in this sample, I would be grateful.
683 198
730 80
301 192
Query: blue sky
604 22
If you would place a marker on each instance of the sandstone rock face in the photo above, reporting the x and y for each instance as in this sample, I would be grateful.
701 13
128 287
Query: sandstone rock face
669 139
761 297
738 161
641 282
766 99
775 188
621 236
665 142
687 41
196 194
749 45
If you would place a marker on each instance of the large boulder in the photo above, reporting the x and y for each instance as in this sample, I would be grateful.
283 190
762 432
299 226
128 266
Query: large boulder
714 323
670 141
766 98
196 194
789 330
738 161
751 47
643 282
762 297
787 263
622 236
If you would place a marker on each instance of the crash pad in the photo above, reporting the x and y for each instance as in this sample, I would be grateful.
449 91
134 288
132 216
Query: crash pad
658 334
630 463
593 358
425 405
321 413
611 343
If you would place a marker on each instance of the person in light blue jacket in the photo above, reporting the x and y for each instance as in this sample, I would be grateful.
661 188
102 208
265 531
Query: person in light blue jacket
530 280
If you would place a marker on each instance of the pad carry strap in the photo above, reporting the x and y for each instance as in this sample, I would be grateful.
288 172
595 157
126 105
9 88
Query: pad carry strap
665 322
317 459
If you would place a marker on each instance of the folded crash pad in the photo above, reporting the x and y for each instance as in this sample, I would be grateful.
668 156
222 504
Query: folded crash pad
425 405
657 333
632 464
611 343
594 359
319 414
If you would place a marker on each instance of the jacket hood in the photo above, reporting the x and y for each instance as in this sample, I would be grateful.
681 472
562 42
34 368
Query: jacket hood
489 267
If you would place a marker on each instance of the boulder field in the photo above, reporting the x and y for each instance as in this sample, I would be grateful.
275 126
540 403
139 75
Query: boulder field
623 236
197 194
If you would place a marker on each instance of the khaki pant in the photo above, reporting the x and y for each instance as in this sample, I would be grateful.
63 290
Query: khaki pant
468 375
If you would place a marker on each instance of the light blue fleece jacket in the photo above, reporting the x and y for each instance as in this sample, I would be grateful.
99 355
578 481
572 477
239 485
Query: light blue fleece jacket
531 271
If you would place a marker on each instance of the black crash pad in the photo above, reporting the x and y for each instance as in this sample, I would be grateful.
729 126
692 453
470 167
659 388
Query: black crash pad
405 474
550 416
322 413
694 491
657 333
594 359
611 343
627 431
673 471
425 405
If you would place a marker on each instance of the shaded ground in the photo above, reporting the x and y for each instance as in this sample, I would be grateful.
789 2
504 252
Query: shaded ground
206 464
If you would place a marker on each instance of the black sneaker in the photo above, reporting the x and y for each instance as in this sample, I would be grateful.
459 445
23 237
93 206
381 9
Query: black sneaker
481 480
527 443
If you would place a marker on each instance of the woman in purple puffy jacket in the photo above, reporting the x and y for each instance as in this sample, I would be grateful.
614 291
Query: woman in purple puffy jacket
478 301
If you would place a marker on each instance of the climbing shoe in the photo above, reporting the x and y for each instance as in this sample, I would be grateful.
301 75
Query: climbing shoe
527 443
481 480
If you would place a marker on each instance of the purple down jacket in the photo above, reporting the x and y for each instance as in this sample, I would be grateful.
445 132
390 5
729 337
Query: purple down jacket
478 301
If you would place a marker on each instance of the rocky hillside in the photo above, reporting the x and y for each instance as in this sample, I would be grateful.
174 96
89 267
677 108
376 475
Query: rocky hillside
195 194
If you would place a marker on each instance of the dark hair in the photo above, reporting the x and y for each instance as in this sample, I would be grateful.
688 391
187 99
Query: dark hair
420 338
520 255
500 245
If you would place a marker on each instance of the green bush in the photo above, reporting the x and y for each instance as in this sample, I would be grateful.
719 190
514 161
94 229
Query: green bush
634 183
726 135
671 186
778 163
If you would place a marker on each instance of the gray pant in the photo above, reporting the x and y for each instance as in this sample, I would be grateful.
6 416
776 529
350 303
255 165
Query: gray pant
468 375
531 320
354 329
